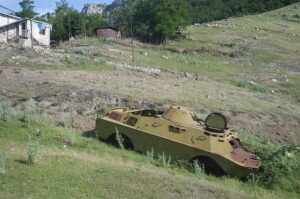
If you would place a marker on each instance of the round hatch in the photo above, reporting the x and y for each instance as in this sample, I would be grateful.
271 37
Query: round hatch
216 121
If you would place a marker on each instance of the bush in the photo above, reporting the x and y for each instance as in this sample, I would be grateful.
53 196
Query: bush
71 136
28 115
2 164
241 83
164 160
280 162
33 151
150 154
259 88
198 168
68 120
5 112
119 139
281 169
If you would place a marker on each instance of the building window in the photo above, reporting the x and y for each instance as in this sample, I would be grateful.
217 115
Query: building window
43 31
23 26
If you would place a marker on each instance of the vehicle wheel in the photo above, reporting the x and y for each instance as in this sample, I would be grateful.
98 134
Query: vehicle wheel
127 142
211 167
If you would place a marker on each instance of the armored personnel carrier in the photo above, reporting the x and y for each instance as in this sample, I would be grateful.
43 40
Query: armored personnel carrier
182 135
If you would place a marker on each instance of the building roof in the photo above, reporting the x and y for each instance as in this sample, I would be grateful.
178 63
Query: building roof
12 23
107 27
20 18
10 16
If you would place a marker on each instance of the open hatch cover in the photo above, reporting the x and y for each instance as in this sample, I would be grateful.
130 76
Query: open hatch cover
216 121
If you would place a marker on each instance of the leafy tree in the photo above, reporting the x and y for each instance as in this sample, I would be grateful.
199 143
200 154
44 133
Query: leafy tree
123 17
27 9
60 29
151 20
209 10
69 22
91 21
62 6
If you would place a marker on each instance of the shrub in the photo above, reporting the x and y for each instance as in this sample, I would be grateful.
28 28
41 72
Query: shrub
68 120
2 164
119 139
28 115
281 169
241 83
259 88
5 112
19 113
280 162
33 151
164 160
71 136
150 154
198 168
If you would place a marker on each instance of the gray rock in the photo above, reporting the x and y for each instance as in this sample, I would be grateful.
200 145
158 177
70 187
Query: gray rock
93 8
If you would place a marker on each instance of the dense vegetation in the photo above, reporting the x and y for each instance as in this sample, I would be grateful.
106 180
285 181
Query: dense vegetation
151 21
68 22
27 9
156 20
209 10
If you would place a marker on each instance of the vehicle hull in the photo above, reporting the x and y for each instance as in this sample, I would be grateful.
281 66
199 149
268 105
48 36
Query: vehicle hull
144 141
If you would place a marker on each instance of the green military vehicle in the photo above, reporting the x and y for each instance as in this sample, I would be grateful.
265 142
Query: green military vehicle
182 135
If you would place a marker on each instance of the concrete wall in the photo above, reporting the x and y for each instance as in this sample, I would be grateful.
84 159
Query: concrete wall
6 20
43 39
15 33
9 33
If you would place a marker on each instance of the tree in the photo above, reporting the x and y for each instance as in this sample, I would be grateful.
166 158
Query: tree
69 22
27 9
156 20
62 6
91 21
123 17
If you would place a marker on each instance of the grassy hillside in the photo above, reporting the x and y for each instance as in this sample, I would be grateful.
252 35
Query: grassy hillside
246 67
79 166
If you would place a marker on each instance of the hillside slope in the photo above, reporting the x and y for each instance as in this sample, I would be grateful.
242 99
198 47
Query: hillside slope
247 68
87 168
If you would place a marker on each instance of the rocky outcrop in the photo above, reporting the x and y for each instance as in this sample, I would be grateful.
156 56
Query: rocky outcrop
93 8
47 15
114 5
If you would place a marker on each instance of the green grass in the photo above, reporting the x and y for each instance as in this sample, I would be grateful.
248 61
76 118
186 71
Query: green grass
254 87
75 166
92 169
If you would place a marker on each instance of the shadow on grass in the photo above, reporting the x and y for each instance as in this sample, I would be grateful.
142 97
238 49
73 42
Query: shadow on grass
22 162
90 134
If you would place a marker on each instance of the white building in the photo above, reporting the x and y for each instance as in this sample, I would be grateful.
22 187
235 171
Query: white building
23 31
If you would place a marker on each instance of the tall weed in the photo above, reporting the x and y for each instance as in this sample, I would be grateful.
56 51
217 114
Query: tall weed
6 112
198 168
120 139
2 164
164 160
33 151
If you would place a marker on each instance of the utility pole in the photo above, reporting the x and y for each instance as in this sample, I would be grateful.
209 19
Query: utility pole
69 24
132 46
